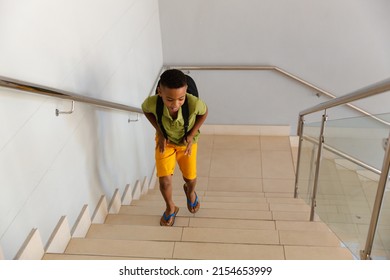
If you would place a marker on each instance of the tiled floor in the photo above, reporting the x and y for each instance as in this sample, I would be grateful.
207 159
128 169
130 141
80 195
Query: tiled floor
245 187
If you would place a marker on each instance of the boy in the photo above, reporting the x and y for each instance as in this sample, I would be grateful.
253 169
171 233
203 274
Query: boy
178 146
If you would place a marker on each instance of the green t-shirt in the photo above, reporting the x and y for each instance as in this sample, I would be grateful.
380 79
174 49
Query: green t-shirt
175 128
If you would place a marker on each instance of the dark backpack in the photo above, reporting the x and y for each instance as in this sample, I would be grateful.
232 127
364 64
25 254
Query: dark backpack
192 89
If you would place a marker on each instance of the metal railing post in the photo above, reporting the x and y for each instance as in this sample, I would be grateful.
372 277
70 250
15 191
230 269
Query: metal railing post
300 134
317 172
366 253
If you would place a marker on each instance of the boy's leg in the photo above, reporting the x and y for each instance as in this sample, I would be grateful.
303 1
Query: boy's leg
188 168
165 165
189 188
166 192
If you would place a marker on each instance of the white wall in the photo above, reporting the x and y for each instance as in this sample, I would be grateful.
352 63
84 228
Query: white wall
339 46
51 166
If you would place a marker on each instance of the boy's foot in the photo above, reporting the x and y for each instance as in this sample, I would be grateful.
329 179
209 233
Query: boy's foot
193 207
169 220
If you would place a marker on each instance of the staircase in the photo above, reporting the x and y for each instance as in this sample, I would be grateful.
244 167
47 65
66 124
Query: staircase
245 186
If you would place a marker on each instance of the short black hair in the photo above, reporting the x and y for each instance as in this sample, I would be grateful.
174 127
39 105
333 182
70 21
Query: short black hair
173 78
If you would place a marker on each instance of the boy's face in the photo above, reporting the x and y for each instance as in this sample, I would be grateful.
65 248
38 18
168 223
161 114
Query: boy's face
173 98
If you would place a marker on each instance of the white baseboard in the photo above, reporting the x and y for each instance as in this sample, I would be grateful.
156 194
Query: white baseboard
101 211
60 237
115 203
32 248
145 186
82 223
127 196
137 190
1 254
153 180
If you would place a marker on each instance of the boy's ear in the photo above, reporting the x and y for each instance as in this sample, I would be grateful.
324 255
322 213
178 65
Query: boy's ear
158 90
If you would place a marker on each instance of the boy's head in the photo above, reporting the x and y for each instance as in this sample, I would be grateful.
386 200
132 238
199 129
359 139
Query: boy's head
172 88
173 78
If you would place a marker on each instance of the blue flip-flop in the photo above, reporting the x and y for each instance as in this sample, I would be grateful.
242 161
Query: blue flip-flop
164 221
192 207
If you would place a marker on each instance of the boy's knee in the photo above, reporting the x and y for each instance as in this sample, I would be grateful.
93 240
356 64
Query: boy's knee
165 182
190 181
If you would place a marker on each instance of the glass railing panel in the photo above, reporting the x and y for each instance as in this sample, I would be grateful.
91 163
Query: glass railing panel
346 189
308 159
381 248
306 170
359 137
312 127
345 197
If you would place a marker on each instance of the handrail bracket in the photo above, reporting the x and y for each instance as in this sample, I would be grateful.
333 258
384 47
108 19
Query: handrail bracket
58 112
133 120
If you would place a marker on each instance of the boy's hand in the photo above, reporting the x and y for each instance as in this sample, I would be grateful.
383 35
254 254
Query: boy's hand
189 141
161 144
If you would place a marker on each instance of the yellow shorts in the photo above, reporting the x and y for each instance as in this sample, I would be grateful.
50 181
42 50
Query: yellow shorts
166 161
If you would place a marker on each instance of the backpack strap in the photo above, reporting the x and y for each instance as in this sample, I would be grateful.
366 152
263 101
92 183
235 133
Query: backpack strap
184 110
186 115
159 113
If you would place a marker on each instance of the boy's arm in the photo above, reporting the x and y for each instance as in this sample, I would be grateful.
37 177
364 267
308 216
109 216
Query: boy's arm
162 142
198 123
190 136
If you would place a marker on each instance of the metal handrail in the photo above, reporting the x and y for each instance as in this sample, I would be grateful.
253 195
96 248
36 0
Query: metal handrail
42 90
38 89
368 91
279 71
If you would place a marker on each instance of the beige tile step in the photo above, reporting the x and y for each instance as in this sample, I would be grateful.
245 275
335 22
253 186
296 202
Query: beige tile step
219 251
279 194
155 194
301 225
120 248
297 207
234 214
134 232
290 216
210 193
236 188
235 199
275 143
142 220
208 198
205 213
182 203
317 253
231 236
245 185
151 210
231 223
309 238
157 233
285 200
83 257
